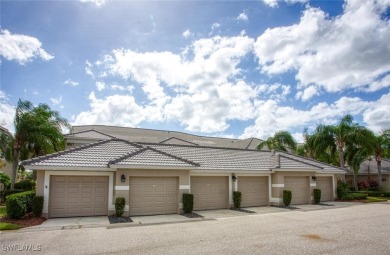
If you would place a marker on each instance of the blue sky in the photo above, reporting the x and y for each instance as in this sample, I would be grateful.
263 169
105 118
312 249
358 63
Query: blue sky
222 68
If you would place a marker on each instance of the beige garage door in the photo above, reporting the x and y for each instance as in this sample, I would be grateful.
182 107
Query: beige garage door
72 196
254 191
299 187
325 184
151 196
210 192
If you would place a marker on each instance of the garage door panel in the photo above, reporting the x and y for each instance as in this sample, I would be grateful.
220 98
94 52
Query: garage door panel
153 195
254 190
326 186
72 196
300 188
210 192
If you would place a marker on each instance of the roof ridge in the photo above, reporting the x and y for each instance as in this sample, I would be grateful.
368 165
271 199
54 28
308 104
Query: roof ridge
285 152
132 154
89 145
173 137
202 146
301 161
89 130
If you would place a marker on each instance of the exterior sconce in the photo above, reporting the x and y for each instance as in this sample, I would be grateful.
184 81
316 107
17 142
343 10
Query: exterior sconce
123 178
314 178
234 178
383 179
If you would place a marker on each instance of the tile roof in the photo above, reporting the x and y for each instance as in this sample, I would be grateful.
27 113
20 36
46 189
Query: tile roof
174 140
93 134
372 167
152 157
156 136
121 152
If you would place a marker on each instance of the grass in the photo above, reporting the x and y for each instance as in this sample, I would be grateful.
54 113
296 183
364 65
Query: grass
8 226
375 199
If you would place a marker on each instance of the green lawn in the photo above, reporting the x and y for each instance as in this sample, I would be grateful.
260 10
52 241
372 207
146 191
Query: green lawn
8 226
375 199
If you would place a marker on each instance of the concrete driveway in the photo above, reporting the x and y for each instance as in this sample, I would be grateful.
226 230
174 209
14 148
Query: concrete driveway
360 229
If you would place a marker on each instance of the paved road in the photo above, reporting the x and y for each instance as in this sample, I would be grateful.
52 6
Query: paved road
362 229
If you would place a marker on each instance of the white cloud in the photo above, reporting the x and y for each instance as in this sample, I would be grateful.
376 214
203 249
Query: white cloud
272 116
7 112
121 88
377 116
214 28
21 48
56 100
210 77
242 17
276 91
332 53
274 3
71 83
187 34
88 69
121 110
98 3
307 93
100 85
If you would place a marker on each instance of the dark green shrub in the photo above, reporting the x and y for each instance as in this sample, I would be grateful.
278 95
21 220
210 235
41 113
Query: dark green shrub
8 192
287 196
37 206
188 203
237 198
342 188
317 196
25 185
119 206
355 196
20 203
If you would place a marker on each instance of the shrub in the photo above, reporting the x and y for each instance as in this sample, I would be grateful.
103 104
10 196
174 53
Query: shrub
287 196
317 196
355 196
25 185
37 206
8 192
237 198
119 206
342 188
20 203
188 203
5 180
373 185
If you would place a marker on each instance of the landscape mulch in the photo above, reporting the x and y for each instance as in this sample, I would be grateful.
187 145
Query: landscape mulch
113 219
242 210
191 215
27 221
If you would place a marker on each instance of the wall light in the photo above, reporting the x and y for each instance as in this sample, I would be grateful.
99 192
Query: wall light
314 178
383 179
234 178
123 178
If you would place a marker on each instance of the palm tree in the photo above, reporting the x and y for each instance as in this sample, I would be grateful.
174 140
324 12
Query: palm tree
381 144
355 155
332 139
38 130
282 140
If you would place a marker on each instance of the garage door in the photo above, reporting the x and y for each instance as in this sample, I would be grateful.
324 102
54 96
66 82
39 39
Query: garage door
254 191
325 184
72 196
210 192
299 187
151 196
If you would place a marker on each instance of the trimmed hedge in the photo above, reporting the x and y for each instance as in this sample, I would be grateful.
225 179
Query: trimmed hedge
237 198
355 196
119 206
375 193
37 206
20 203
25 185
287 196
188 202
8 192
317 196
342 189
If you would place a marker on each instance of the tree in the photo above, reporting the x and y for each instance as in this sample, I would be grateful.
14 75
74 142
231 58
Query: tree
355 155
381 144
282 140
38 130
335 138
